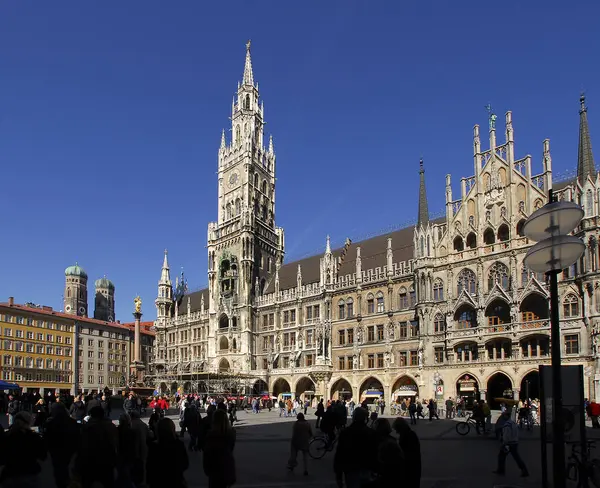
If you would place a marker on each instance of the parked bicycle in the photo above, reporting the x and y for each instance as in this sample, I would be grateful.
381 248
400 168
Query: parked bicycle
320 445
464 427
583 470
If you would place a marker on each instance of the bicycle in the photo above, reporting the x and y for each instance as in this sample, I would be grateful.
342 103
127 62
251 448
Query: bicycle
583 471
320 445
464 427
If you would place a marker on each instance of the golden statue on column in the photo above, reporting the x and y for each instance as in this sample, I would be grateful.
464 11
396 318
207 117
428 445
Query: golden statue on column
138 304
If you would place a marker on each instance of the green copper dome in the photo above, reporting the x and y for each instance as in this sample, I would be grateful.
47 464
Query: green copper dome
104 283
76 271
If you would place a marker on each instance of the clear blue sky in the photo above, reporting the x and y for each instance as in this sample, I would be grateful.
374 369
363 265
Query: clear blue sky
111 114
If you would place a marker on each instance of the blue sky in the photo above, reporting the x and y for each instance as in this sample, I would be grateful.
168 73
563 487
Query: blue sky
111 114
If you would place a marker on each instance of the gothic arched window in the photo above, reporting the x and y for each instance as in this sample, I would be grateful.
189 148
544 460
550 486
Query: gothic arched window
68 292
256 180
570 306
412 297
350 308
403 299
439 323
237 135
438 290
380 303
370 303
466 281
589 203
428 246
341 310
498 274
228 211
264 187
422 246
238 207
247 102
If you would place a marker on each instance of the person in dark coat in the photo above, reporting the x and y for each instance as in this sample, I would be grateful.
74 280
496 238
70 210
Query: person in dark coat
96 460
355 456
94 402
191 422
62 438
218 459
205 426
167 458
320 412
126 451
22 451
77 410
411 448
41 415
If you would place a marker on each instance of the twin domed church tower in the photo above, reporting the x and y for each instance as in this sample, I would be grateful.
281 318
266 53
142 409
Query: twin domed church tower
75 299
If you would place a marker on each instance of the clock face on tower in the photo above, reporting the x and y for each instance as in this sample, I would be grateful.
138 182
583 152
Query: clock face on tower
233 179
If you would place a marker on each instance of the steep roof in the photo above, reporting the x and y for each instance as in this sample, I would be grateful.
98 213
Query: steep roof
373 253
196 301
585 158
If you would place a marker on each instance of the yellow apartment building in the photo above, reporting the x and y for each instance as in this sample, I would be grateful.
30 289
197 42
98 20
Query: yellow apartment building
37 348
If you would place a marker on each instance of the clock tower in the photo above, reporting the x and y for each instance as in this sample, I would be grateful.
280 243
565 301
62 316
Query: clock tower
244 245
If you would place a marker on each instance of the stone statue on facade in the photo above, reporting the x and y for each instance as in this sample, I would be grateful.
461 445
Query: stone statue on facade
420 354
391 330
387 358
355 361
359 334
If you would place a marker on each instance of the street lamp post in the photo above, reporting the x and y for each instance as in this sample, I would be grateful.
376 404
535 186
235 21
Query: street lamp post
555 251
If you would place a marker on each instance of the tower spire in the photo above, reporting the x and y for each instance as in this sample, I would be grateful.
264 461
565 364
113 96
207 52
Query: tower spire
165 275
585 158
223 142
423 218
248 75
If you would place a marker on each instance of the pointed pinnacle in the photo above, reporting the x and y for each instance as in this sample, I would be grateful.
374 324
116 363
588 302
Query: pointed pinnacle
248 78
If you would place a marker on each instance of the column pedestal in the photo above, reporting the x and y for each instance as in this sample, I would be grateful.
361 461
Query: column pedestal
137 367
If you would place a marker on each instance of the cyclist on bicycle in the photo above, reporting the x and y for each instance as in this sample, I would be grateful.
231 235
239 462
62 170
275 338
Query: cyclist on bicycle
329 423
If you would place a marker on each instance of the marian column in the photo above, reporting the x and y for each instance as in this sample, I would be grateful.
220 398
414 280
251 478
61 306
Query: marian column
137 366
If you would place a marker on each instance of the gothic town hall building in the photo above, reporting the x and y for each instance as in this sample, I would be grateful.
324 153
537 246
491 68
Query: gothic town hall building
442 308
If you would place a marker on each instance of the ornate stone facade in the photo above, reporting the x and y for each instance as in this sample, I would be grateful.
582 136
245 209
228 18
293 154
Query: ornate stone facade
443 307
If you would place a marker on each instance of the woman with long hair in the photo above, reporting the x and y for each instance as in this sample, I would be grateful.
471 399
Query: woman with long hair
218 460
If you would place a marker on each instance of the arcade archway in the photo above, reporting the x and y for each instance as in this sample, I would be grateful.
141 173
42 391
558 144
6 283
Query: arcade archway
467 387
404 387
305 389
187 387
173 388
341 390
163 388
260 387
499 387
371 390
530 386
281 388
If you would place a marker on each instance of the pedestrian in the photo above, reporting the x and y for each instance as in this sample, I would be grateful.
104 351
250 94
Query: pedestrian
96 459
218 459
12 408
306 405
510 445
301 435
167 458
487 415
355 459
449 408
62 438
390 458
140 448
412 411
411 448
382 405
319 413
432 407
22 451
